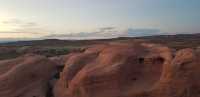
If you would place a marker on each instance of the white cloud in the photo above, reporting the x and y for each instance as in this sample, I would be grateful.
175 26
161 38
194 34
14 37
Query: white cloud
20 28
107 32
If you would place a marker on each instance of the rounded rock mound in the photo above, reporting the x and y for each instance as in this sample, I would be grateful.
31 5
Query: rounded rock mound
25 76
113 70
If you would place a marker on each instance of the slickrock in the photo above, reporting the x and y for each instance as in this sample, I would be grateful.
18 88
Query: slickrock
26 76
105 70
113 70
60 60
180 78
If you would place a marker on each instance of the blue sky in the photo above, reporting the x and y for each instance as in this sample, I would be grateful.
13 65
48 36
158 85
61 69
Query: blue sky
86 18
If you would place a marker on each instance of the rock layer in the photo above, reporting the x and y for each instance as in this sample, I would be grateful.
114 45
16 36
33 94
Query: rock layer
105 70
181 78
113 70
26 76
130 70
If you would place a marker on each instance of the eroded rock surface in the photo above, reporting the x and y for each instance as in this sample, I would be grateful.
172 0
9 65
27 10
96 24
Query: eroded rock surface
113 70
181 78
26 76
105 70
130 70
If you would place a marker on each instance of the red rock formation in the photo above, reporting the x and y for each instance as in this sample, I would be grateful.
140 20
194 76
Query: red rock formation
112 70
107 70
180 78
60 60
25 76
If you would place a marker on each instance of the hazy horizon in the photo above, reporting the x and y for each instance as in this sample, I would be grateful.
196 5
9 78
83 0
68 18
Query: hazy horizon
86 19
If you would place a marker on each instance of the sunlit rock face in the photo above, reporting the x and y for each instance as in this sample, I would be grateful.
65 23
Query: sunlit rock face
26 76
113 70
130 69
180 78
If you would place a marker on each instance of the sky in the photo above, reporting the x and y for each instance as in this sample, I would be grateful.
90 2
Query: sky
83 19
